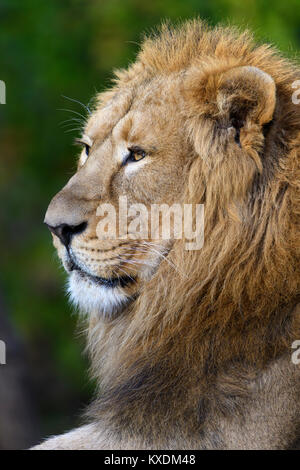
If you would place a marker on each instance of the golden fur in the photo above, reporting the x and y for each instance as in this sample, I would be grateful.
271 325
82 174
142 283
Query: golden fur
201 357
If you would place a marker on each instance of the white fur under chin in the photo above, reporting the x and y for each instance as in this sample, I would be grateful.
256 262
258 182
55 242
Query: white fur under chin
93 298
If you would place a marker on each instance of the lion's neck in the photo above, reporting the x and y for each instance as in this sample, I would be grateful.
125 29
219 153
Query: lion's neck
233 310
151 393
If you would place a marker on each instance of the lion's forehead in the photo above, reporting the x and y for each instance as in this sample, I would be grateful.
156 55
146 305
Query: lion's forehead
131 109
106 116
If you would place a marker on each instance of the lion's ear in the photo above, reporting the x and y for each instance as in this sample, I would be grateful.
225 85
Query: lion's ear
246 93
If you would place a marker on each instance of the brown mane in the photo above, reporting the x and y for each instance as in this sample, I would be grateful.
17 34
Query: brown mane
232 301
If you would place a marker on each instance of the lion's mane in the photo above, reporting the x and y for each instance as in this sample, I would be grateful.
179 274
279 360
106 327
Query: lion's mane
232 301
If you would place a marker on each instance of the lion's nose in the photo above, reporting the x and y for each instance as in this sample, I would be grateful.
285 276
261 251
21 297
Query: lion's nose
67 214
65 232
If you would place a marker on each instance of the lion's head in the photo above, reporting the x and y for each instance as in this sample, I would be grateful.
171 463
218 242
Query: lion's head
134 146
206 117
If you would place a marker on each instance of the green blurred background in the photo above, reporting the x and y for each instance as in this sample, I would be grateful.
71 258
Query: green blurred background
49 49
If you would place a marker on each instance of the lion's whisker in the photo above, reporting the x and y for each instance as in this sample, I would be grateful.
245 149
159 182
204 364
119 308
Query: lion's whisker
79 102
74 112
166 259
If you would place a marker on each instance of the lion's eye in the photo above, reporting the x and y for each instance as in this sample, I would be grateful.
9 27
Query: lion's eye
135 155
83 143
87 149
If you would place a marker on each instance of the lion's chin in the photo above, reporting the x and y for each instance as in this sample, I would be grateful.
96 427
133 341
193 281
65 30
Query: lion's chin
93 298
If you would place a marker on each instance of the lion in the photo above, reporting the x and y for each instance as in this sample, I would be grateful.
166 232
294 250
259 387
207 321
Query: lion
191 349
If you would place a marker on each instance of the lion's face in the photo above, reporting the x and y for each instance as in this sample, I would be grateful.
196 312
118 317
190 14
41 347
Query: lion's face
133 146
141 143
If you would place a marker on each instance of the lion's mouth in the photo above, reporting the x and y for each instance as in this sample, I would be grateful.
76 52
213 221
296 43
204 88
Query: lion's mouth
120 281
